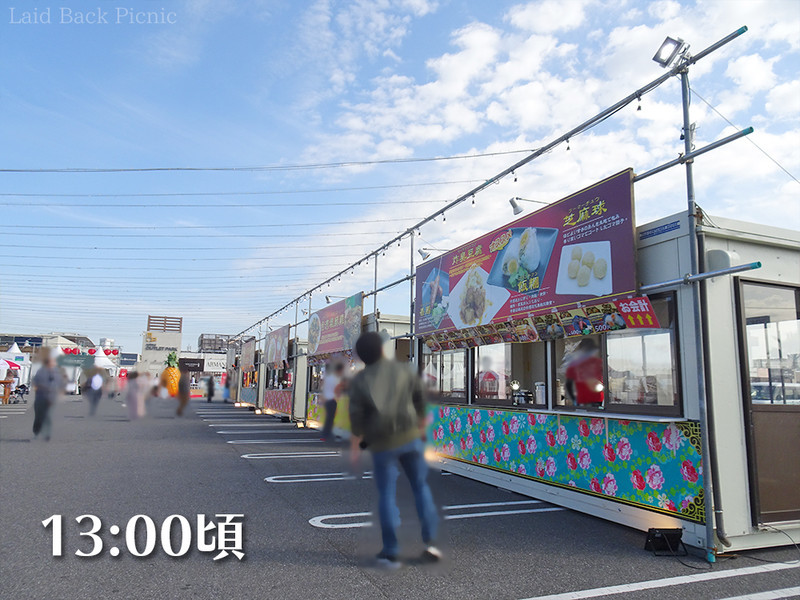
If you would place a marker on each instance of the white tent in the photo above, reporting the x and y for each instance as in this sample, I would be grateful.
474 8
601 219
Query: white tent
102 361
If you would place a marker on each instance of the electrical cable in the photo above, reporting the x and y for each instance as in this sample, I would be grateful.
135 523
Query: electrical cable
216 194
180 227
298 167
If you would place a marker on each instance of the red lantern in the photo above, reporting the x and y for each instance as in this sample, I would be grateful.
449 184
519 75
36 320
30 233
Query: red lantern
107 351
92 351
67 350
73 351
115 352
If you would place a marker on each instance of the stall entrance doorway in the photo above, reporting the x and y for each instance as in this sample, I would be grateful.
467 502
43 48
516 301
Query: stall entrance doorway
771 340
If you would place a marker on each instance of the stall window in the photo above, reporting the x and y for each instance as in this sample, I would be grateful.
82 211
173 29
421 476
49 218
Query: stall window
445 374
279 378
633 370
316 373
772 319
643 364
510 374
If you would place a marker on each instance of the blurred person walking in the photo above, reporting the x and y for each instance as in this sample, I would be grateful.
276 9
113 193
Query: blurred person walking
184 389
387 415
135 390
331 390
210 390
48 384
92 387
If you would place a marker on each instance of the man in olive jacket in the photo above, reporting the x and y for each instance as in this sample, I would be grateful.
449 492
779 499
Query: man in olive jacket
387 415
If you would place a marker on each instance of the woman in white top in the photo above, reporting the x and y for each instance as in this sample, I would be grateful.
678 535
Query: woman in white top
331 387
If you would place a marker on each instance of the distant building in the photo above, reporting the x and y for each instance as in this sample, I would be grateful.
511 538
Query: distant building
213 342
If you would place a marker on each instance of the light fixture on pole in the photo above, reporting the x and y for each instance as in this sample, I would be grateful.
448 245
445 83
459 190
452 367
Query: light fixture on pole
425 255
670 48
328 298
517 208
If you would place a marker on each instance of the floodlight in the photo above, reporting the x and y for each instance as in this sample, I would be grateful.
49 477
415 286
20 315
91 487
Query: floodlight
423 254
669 49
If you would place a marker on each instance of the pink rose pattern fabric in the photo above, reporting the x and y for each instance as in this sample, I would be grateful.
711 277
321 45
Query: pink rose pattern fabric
279 401
652 465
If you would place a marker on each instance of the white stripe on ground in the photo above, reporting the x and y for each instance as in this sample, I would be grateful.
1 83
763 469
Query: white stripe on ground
309 454
793 592
314 477
666 582
290 441
321 520
246 424
251 432
498 513
488 504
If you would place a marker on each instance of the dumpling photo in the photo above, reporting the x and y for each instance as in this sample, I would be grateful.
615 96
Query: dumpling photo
511 258
529 253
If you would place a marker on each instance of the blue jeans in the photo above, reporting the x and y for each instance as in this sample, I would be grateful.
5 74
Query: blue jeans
411 457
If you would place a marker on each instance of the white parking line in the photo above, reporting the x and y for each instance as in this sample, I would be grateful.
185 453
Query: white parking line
315 477
248 423
498 513
489 504
252 431
322 521
666 582
309 454
793 592
290 441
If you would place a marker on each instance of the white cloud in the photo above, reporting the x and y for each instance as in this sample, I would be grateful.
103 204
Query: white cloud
548 16
783 101
664 9
752 73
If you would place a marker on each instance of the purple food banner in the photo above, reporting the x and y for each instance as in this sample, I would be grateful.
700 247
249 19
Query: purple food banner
576 252
277 346
335 328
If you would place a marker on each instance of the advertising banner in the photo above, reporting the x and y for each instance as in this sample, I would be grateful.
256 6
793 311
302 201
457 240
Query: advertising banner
249 356
277 347
192 364
335 328
534 277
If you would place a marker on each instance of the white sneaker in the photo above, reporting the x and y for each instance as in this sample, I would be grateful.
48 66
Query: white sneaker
432 554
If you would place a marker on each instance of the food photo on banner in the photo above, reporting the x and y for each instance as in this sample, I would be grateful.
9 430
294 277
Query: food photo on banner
335 328
249 356
565 270
277 347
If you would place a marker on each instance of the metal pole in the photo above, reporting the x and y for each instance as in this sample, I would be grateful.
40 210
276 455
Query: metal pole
694 260
375 296
412 352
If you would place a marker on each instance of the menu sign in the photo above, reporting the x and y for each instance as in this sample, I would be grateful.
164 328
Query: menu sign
249 356
536 275
277 346
335 328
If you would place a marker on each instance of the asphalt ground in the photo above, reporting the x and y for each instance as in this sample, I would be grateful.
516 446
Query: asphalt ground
165 465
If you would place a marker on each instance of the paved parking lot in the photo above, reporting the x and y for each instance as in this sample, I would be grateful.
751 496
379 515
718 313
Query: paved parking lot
307 518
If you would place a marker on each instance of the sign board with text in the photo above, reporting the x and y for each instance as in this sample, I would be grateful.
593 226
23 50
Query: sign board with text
536 277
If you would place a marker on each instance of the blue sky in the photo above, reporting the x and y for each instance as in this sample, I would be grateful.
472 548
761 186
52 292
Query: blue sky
283 84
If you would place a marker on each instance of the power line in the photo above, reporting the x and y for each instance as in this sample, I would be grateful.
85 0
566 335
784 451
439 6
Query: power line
196 248
297 167
180 227
216 194
162 258
202 236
